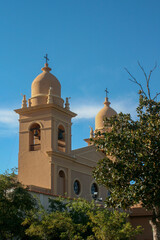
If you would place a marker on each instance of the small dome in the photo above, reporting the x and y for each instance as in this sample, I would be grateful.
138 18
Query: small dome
106 111
44 81
41 85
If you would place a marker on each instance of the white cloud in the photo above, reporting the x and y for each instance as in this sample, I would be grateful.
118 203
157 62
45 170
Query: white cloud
8 117
8 122
88 111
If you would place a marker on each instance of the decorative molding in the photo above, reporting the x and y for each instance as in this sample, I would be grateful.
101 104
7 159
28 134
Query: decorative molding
45 106
61 155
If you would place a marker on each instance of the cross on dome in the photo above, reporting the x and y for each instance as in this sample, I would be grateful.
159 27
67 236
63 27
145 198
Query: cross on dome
106 92
46 57
46 68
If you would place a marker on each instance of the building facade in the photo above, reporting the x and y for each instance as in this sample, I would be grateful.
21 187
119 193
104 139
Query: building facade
46 161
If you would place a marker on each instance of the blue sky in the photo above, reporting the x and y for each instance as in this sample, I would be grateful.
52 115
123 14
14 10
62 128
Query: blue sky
89 42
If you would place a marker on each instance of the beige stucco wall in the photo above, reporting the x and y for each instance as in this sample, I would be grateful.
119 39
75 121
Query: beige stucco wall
77 166
63 191
85 182
32 163
36 167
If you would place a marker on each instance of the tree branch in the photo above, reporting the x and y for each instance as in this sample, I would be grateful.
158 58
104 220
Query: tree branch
156 96
150 73
133 79
148 78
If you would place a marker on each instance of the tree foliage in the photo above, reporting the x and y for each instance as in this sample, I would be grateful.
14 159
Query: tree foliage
80 220
111 225
130 169
15 204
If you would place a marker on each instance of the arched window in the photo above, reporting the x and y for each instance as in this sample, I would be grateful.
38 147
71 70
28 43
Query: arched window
35 137
77 187
61 139
61 183
94 191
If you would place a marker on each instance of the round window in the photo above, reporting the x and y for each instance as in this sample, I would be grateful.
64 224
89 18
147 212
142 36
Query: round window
94 190
77 187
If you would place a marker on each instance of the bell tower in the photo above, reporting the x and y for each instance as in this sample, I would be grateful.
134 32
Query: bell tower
44 134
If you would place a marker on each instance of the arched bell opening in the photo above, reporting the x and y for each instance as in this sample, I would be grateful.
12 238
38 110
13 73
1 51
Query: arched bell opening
35 137
61 139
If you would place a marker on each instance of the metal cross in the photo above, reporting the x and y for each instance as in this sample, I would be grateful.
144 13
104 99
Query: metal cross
106 92
46 57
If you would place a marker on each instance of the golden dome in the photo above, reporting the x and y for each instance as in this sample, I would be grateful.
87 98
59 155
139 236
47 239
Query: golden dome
41 85
106 111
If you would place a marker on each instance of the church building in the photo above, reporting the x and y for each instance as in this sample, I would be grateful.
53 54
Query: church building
46 162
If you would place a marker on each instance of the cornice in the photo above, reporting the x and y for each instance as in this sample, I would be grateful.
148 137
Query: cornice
33 109
76 159
61 155
45 116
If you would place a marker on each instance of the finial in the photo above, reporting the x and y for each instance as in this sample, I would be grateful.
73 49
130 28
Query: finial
29 102
50 96
106 92
91 132
106 102
46 57
46 68
67 103
24 101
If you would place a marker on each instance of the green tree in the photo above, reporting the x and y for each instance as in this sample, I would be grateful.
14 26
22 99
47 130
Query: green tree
111 225
131 167
50 226
65 219
15 204
79 220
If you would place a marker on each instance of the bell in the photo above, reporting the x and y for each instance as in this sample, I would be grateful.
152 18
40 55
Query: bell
36 133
